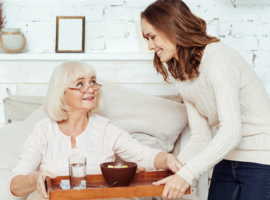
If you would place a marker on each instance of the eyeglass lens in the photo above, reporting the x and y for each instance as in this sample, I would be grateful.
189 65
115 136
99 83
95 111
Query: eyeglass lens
85 89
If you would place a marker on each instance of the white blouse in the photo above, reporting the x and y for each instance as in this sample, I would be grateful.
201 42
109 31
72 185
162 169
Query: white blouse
47 148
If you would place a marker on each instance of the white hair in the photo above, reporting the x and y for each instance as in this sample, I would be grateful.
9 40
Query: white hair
55 105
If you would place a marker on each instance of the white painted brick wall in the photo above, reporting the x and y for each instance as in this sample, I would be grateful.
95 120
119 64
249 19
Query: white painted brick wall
110 26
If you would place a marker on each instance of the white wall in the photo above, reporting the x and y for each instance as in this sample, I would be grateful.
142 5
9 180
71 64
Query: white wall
110 26
110 23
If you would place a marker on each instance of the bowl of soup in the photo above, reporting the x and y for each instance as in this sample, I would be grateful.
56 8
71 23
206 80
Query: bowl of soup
120 172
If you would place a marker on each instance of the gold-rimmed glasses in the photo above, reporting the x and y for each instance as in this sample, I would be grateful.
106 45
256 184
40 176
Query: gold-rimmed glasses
84 89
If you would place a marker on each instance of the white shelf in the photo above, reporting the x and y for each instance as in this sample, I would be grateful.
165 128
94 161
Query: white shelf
76 56
250 2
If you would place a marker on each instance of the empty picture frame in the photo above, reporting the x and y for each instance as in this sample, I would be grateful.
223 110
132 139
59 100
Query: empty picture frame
212 27
70 33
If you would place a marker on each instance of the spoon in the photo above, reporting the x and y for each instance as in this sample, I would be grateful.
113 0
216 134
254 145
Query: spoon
113 184
96 186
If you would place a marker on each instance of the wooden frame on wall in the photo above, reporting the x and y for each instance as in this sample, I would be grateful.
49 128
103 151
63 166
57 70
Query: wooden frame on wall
70 34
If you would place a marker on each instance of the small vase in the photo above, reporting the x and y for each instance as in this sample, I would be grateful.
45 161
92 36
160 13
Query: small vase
12 41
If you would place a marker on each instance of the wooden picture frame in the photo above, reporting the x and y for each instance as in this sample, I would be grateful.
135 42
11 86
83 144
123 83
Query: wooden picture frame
70 34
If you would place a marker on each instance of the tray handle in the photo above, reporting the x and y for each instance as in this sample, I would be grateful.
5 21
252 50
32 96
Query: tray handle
170 172
48 185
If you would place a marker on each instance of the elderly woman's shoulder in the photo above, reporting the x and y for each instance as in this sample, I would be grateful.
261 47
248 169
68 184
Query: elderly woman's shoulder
104 124
99 118
43 123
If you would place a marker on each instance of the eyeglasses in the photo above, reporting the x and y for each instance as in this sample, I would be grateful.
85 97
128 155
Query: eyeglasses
84 89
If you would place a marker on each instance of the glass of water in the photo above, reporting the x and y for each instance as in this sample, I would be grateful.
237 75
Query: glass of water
77 170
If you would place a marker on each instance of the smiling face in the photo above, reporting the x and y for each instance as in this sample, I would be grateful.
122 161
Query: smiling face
77 100
163 47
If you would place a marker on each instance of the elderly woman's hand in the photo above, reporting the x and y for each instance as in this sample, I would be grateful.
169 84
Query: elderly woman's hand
39 182
175 186
165 160
173 163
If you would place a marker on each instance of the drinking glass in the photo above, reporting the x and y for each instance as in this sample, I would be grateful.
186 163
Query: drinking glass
77 170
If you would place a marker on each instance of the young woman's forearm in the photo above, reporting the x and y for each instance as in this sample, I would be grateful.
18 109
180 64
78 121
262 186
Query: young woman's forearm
160 161
22 185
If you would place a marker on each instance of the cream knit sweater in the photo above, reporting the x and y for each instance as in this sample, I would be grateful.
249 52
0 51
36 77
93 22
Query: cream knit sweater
227 94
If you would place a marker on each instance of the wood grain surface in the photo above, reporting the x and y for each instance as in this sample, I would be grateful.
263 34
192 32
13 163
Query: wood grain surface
141 186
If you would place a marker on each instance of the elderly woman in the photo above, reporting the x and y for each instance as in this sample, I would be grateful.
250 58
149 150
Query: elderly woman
72 129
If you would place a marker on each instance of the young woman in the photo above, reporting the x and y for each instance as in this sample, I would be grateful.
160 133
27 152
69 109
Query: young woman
220 90
71 129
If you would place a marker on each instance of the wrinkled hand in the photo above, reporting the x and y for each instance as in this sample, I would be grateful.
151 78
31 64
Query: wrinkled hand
175 186
173 163
39 182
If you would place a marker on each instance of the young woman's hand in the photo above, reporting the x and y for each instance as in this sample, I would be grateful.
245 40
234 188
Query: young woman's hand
173 163
175 186
39 182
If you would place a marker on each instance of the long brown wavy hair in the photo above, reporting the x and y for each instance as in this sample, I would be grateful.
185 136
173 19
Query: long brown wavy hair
174 19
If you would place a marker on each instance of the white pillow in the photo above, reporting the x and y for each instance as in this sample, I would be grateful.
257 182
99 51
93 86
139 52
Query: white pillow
138 113
18 108
153 121
13 137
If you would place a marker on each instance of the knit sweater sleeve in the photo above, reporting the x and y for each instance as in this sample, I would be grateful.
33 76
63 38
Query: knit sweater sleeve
200 134
224 78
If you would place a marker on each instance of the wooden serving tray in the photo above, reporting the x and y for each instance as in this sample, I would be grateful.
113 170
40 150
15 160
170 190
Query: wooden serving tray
140 186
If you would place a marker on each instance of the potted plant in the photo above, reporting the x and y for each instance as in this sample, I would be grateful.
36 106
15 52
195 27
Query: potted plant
2 17
11 39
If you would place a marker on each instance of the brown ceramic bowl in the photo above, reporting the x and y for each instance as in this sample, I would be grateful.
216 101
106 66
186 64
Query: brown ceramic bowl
122 176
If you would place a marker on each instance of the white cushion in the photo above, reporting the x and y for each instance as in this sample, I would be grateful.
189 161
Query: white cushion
18 108
144 116
13 137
